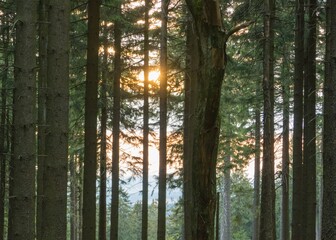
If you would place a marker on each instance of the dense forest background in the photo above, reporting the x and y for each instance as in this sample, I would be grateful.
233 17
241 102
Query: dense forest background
196 119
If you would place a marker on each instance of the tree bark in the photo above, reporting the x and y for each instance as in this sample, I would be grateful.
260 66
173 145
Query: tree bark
298 117
285 160
189 104
3 130
22 194
42 98
267 205
161 231
91 111
309 152
329 133
256 182
103 142
144 232
57 113
116 126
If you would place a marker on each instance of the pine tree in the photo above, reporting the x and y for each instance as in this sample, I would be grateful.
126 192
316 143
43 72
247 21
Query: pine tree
22 185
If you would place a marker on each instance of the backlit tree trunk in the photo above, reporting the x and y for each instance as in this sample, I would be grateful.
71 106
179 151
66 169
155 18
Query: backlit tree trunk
267 204
116 126
161 233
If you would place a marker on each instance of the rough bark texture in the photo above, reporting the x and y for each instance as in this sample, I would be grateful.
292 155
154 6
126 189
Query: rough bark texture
267 205
211 51
298 116
103 142
42 98
189 102
116 127
329 135
55 170
161 231
144 219
309 152
91 111
22 194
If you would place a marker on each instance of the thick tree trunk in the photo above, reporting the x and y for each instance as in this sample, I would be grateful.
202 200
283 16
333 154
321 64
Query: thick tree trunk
103 142
91 111
329 133
22 194
144 225
161 231
267 205
42 98
116 127
298 116
57 113
309 153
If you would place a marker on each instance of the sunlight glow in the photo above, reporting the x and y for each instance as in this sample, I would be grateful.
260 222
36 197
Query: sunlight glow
153 75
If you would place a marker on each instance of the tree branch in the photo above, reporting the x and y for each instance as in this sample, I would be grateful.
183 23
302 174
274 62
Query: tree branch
237 28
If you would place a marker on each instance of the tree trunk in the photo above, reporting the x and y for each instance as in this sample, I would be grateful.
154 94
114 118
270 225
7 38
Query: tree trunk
285 160
256 182
103 142
57 113
267 205
116 126
161 231
329 133
309 153
22 194
226 228
3 150
42 98
73 198
189 103
144 231
298 116
91 111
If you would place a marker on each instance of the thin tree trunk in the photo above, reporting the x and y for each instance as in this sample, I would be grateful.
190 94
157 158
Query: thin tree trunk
57 113
329 132
116 127
73 199
267 206
256 182
298 116
226 229
91 111
3 151
309 152
161 231
285 162
144 231
42 98
22 194
103 142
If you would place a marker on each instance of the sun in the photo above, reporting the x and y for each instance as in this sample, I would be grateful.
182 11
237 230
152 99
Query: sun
153 75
